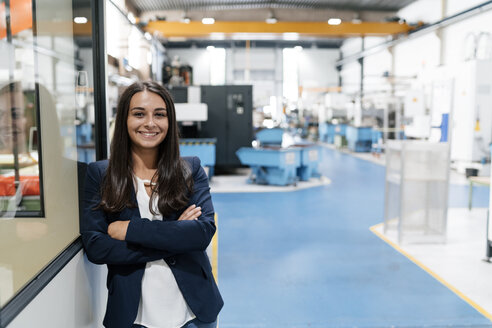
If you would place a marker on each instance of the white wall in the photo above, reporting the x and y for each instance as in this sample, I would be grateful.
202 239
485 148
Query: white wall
258 67
76 297
198 58
351 46
375 66
455 6
427 11
317 68
454 36
415 56
351 78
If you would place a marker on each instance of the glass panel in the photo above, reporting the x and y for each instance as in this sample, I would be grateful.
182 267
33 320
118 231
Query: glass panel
46 129
20 192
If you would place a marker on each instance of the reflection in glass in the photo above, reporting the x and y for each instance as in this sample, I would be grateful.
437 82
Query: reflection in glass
19 170
20 192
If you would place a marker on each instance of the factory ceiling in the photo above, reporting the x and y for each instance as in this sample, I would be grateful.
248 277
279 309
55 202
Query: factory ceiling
181 20
355 5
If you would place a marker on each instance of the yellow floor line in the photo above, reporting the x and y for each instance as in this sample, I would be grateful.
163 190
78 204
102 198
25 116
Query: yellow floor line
429 271
215 254
215 250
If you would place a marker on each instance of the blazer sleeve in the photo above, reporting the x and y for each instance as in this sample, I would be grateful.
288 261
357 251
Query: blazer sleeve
99 246
179 236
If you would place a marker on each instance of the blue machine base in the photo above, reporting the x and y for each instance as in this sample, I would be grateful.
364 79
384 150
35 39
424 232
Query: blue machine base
203 149
307 172
364 146
273 175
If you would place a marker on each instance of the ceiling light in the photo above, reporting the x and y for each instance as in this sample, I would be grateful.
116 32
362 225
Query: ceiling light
334 21
210 48
80 20
186 20
208 20
271 20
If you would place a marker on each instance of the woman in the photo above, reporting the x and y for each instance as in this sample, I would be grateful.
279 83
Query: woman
148 215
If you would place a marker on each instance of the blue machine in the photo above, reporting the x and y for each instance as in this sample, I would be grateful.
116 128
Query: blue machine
326 132
340 139
359 139
274 166
340 129
86 150
203 149
270 136
377 141
444 127
310 158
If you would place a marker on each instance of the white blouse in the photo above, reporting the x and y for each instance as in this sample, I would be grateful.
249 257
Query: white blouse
162 304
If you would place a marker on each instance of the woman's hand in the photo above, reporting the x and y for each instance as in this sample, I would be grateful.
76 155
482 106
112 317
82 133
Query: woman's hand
117 229
191 213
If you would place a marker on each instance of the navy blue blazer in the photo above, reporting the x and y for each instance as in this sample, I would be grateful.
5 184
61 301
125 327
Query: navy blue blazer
181 244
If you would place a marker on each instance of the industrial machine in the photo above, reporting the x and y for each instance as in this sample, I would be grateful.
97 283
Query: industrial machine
190 114
273 166
203 148
276 165
270 136
221 113
359 138
279 166
230 120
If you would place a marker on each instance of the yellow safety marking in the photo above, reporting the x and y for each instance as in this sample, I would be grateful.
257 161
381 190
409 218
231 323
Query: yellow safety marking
429 271
215 250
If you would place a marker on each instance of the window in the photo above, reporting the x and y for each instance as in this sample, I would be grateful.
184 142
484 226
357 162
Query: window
46 118
217 65
291 74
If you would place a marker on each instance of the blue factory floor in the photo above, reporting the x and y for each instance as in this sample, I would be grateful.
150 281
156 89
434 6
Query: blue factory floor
308 259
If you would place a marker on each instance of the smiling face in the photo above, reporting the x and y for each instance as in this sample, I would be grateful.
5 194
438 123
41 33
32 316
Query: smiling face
12 122
147 121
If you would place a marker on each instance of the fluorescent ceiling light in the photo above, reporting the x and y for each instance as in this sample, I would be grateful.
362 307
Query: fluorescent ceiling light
271 20
80 20
208 20
334 21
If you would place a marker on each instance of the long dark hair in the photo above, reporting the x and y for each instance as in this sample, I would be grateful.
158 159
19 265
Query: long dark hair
173 175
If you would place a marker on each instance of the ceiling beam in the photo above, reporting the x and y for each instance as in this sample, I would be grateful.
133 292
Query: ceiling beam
318 29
